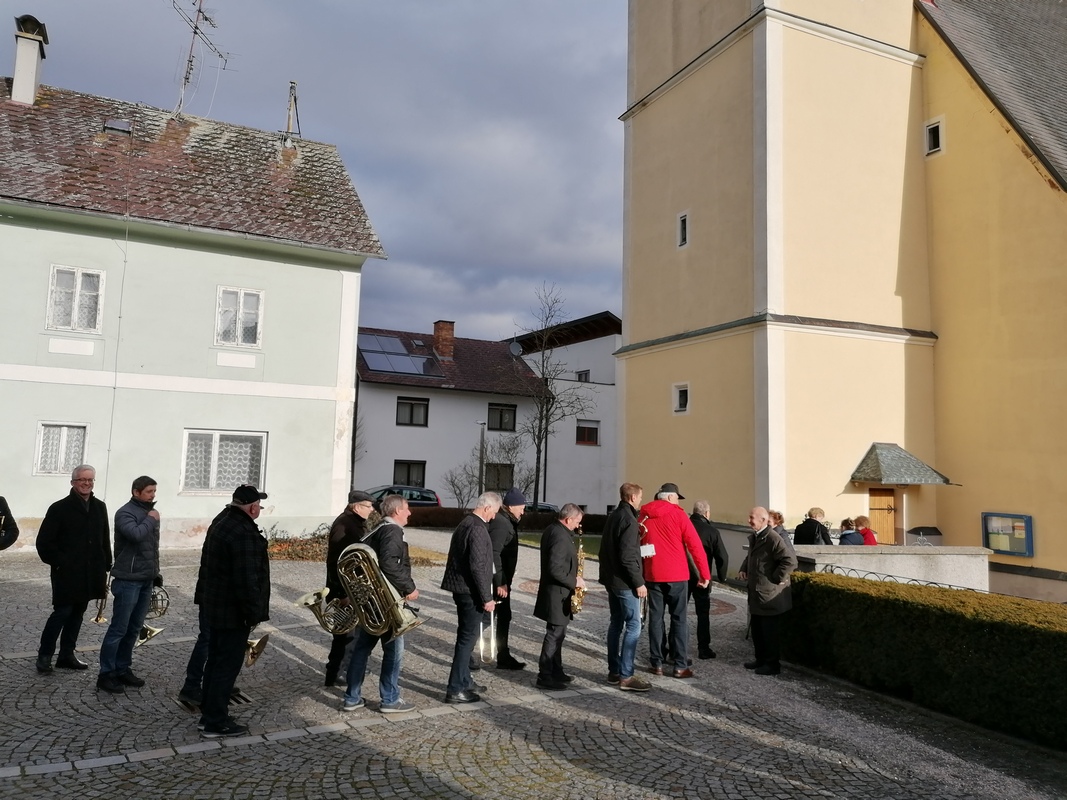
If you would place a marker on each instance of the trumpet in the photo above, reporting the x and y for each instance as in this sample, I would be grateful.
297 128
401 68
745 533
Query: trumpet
490 657
101 604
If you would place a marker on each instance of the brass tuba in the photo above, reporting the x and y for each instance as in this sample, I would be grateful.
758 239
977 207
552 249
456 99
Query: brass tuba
374 604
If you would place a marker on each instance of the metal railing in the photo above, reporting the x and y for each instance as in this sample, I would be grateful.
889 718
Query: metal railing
851 572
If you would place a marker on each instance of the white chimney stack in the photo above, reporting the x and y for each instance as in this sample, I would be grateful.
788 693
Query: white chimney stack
30 39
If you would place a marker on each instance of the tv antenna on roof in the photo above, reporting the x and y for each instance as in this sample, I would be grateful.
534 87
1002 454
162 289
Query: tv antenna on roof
196 23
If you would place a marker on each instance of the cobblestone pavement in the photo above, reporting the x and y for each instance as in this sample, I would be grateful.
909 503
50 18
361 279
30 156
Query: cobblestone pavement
726 733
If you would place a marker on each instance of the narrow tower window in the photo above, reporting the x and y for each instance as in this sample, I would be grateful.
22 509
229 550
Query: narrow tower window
933 137
683 230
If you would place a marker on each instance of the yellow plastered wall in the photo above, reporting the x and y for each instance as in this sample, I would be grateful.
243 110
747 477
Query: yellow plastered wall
854 194
844 392
707 452
690 152
998 232
668 34
889 21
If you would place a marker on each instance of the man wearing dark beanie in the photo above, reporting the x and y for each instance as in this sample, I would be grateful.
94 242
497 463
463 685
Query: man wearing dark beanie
504 531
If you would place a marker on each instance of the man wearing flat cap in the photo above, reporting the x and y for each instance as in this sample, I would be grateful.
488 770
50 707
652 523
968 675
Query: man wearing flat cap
504 531
667 534
357 520
233 592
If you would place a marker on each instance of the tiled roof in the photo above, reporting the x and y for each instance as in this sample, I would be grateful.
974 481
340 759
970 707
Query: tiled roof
890 463
595 326
188 171
1016 50
476 366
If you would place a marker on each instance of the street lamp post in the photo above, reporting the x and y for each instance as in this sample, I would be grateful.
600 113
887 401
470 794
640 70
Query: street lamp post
481 458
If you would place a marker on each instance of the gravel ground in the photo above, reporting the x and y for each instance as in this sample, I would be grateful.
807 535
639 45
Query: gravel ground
725 734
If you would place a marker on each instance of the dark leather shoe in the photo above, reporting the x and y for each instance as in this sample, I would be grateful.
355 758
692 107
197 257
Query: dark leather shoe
768 669
683 673
563 678
127 678
706 653
475 665
753 664
462 697
656 670
44 665
550 684
509 662
476 687
71 662
109 683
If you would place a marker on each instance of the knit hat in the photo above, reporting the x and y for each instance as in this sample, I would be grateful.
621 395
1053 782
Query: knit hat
514 498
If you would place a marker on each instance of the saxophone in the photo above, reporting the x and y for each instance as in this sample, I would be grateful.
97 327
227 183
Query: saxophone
579 592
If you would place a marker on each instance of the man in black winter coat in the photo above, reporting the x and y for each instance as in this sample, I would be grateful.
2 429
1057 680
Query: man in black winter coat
75 541
715 551
559 579
504 532
621 573
387 541
233 592
9 528
469 576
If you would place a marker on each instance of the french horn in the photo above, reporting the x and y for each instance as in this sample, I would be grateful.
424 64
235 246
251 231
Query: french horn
255 649
157 607
373 604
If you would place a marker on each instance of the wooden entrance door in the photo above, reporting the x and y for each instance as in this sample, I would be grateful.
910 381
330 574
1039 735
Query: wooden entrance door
883 514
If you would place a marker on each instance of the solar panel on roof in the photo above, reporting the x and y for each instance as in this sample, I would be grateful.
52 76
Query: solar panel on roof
388 354
390 344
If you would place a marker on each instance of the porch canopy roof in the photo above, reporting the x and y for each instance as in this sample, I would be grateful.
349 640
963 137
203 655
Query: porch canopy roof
892 464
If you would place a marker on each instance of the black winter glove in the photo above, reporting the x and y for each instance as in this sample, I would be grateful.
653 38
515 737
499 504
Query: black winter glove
158 581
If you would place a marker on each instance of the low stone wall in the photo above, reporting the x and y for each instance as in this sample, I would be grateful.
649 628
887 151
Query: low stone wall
956 566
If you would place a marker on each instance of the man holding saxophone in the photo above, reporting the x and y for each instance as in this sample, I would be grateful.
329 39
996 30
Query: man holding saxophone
387 541
559 579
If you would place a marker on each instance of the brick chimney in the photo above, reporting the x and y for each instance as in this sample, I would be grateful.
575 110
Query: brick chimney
444 336
30 39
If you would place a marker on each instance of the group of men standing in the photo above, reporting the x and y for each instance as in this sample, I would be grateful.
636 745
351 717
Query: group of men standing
232 590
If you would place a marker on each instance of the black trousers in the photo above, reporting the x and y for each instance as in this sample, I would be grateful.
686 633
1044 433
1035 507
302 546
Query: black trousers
702 599
503 624
225 656
64 624
766 639
550 664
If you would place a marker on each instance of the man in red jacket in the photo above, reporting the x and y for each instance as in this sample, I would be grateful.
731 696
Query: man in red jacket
667 534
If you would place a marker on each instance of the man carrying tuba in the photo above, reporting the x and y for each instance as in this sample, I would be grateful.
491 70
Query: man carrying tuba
357 520
387 541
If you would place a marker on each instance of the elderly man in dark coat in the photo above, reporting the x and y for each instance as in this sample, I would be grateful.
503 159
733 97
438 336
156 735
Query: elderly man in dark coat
716 552
559 579
469 576
766 569
75 541
504 532
233 592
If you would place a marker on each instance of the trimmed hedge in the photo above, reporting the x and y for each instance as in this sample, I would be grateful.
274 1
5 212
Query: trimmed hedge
992 660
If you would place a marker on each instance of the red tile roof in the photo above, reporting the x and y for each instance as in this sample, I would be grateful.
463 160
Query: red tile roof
189 171
476 366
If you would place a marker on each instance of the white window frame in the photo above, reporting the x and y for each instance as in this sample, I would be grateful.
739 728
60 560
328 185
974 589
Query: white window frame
939 123
224 491
241 293
40 440
50 323
676 390
681 230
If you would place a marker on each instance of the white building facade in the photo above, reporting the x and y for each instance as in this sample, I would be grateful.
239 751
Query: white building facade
174 310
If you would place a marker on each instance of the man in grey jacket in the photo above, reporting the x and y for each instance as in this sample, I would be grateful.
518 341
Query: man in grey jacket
135 569
766 570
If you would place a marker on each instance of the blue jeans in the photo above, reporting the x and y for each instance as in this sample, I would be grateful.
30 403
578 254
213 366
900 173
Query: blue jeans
132 599
672 597
389 680
625 609
459 678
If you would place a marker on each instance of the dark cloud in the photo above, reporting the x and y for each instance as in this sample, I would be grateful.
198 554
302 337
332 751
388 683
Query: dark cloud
482 135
